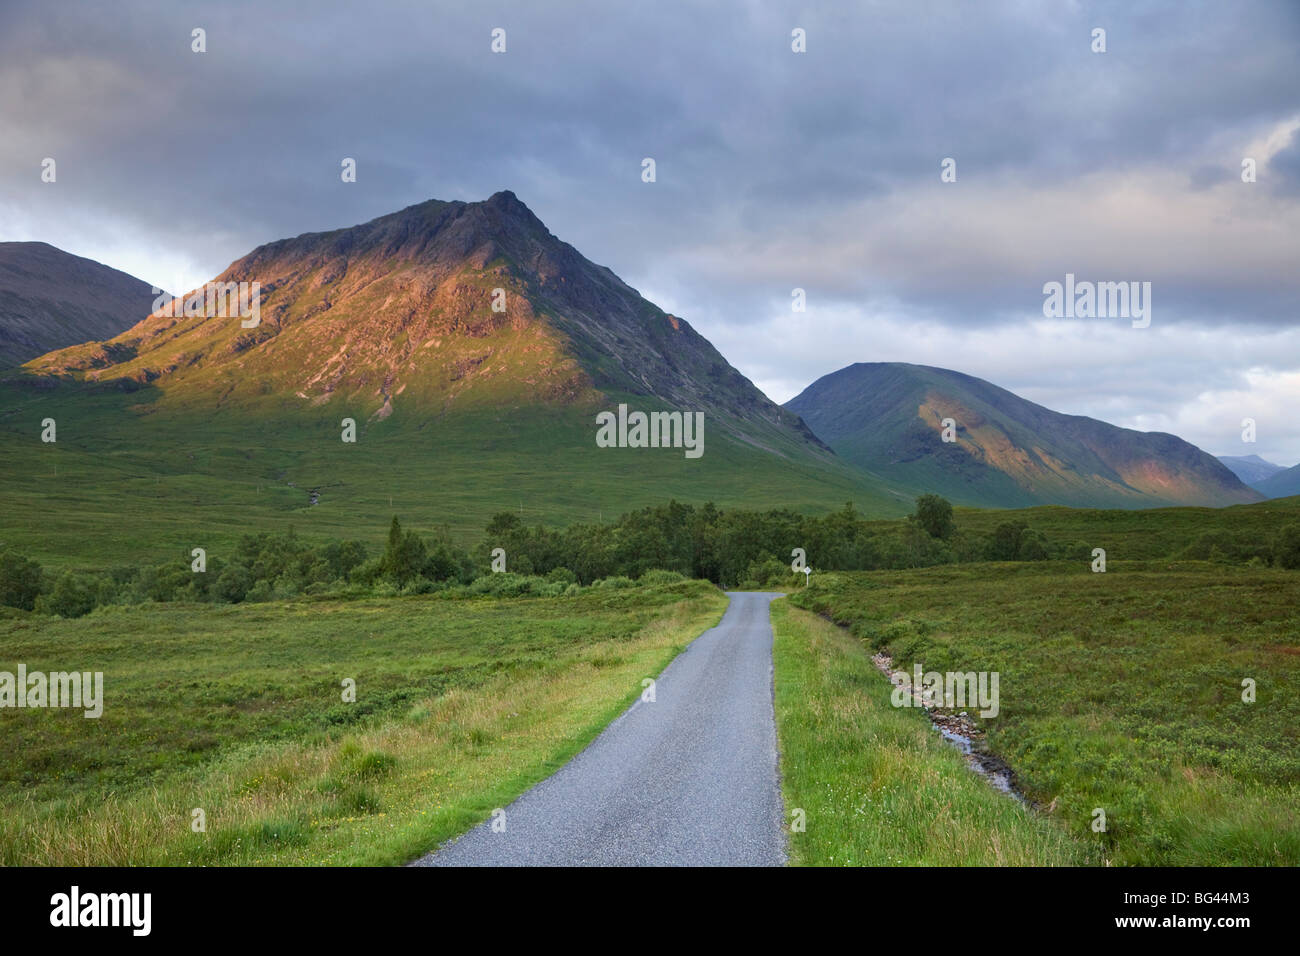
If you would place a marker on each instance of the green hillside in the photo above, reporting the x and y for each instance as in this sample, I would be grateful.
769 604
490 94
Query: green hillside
129 480
1006 452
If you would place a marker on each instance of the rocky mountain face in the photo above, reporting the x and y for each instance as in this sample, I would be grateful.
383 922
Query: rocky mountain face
440 306
50 299
1006 452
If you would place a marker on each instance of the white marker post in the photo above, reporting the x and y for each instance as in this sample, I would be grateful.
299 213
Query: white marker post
806 572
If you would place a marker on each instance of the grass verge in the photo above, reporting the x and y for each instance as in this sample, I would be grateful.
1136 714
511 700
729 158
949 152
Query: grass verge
878 785
518 687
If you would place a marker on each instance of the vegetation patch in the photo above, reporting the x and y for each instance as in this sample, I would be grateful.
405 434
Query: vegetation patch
1160 698
869 784
461 705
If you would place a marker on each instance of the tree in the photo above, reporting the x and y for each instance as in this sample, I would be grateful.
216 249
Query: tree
1005 545
1033 546
344 556
20 581
503 524
934 514
1286 550
233 584
405 556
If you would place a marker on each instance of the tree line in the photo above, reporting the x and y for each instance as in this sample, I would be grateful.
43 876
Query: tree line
732 548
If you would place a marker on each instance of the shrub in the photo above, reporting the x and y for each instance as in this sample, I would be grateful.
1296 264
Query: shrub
507 584
260 591
420 586
763 573
233 584
564 576
72 595
657 576
367 572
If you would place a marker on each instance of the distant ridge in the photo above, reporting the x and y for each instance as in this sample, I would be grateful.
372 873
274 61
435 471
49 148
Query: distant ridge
50 299
1008 452
1282 484
1251 469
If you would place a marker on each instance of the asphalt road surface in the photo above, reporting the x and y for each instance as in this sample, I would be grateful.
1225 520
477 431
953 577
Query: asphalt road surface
687 780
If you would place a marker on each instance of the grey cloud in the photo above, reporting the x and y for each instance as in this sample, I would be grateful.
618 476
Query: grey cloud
776 170
1284 167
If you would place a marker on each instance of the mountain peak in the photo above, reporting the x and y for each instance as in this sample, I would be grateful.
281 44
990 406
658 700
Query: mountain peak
505 198
440 305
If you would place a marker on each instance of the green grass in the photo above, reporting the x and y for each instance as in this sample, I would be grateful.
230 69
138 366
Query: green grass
878 785
133 479
1139 535
461 705
1120 691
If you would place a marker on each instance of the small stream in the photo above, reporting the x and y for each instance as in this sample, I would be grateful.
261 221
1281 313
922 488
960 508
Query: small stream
997 773
959 731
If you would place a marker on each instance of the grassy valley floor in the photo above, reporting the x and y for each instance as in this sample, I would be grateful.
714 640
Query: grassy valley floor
1119 691
461 705
131 479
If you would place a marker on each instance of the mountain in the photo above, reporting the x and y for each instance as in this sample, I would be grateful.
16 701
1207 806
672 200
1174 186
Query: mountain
460 411
1251 469
50 299
1282 484
399 311
1008 452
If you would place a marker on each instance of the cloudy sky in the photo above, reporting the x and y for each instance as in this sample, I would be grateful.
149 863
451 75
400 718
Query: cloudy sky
775 170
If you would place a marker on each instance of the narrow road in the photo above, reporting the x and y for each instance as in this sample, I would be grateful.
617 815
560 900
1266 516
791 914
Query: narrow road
688 780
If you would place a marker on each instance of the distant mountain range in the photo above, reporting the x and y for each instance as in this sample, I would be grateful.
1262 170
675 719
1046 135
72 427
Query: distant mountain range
1005 451
1281 484
50 299
473 349
1251 469
1273 481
